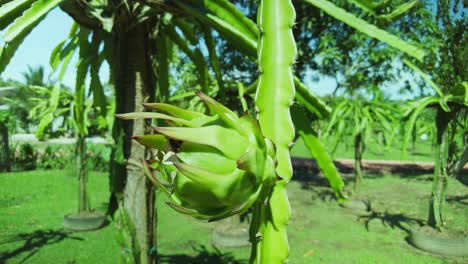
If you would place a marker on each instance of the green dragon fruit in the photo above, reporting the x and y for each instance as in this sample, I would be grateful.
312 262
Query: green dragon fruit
218 165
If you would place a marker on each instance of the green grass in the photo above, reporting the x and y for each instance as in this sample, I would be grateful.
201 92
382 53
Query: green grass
32 205
374 151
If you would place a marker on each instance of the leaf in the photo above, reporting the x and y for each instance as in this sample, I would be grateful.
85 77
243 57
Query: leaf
229 13
217 183
383 118
54 59
187 30
310 100
196 56
413 114
366 5
465 85
371 6
210 44
11 10
318 152
175 111
338 116
424 76
205 157
182 96
79 114
223 112
8 50
240 88
233 26
188 211
443 103
225 20
228 141
149 173
96 87
162 67
368 29
400 10
149 115
48 116
62 53
59 52
29 19
179 41
67 56
202 69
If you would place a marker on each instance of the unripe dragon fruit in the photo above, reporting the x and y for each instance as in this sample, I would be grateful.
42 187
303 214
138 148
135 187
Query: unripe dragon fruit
218 165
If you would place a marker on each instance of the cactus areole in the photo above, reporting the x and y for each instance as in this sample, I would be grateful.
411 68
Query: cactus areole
218 165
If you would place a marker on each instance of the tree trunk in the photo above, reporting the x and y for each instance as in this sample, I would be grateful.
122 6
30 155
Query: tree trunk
439 184
83 203
358 149
460 164
413 140
5 152
134 85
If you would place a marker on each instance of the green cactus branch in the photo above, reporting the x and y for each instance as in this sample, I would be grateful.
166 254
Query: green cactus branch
275 91
220 165
368 29
275 95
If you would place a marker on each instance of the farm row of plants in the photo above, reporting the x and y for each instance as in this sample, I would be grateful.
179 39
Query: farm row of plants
26 156
183 72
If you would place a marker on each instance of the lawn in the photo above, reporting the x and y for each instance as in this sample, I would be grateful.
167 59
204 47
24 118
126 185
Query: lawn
32 205
374 151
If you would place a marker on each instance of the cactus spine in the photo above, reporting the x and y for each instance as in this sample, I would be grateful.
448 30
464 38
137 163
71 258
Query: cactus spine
275 95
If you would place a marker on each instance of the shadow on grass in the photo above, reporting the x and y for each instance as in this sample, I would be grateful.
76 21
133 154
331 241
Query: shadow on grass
391 220
306 170
319 191
462 199
463 178
204 256
33 242
421 154
407 173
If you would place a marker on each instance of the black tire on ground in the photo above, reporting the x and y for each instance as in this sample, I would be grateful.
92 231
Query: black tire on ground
230 238
84 221
438 245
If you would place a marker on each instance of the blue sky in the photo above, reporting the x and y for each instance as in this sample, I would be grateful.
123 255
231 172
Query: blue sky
38 46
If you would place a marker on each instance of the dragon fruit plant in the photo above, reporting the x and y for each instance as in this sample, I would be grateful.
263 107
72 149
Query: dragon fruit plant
219 165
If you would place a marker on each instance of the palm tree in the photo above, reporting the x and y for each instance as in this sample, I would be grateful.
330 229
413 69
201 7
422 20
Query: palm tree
18 102
35 91
35 76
